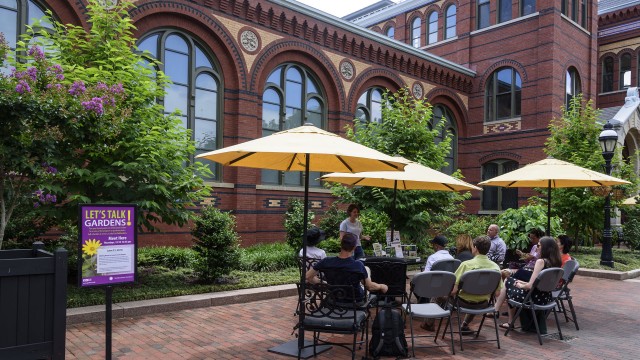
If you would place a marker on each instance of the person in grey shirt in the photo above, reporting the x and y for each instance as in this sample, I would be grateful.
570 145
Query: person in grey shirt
498 248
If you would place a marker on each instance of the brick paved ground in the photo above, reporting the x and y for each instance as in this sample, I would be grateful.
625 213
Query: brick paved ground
608 315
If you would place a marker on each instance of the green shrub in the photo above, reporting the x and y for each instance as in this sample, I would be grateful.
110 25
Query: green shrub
294 222
268 257
216 244
374 224
331 220
516 223
330 244
166 256
631 231
473 225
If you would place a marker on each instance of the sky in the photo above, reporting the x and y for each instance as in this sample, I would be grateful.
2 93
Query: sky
339 8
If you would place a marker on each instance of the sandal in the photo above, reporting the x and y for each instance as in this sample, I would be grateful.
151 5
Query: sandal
505 325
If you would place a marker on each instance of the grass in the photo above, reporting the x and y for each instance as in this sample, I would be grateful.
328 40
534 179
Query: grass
623 259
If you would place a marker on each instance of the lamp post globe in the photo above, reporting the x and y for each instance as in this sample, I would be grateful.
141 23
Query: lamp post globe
608 140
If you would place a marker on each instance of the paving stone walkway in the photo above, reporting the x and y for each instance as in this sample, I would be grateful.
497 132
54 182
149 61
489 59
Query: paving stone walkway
608 315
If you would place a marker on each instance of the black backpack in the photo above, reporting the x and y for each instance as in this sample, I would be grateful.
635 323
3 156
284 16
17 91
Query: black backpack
387 334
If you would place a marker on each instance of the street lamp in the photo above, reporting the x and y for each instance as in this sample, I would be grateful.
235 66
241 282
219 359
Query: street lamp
608 141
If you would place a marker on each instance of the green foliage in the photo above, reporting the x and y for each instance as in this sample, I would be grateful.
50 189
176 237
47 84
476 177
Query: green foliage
406 130
374 224
515 225
268 257
294 222
26 226
574 138
331 220
169 257
623 259
631 231
473 225
216 244
330 244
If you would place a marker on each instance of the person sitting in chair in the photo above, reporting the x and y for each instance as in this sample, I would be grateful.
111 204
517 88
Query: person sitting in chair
314 236
439 244
339 269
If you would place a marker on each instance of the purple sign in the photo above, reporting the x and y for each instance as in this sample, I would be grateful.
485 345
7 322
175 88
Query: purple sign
107 244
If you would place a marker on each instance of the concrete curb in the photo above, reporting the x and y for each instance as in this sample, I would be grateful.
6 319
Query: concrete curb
145 307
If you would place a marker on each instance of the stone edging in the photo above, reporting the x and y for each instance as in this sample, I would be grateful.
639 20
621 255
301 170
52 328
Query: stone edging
609 274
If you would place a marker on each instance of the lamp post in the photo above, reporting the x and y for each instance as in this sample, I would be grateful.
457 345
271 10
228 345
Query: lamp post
608 141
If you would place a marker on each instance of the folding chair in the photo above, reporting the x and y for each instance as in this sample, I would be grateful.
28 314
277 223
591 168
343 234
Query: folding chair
450 265
431 284
564 293
547 281
478 282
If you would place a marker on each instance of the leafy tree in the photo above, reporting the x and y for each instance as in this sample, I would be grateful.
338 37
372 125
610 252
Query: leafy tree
294 222
216 244
574 138
516 224
331 220
95 120
406 130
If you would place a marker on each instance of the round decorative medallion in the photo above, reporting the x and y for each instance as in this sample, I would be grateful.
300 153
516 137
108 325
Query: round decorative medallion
417 90
347 70
249 40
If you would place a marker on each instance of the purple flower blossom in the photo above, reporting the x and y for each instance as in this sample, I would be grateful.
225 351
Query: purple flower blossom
94 104
60 77
23 87
77 88
37 53
117 89
32 72
36 205
102 86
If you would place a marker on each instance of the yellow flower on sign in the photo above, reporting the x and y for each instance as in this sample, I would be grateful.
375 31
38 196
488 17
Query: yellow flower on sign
91 246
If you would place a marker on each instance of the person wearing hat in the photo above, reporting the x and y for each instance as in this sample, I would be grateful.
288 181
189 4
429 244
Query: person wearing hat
337 269
314 236
439 244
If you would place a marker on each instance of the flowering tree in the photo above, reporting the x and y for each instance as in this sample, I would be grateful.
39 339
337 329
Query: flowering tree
81 125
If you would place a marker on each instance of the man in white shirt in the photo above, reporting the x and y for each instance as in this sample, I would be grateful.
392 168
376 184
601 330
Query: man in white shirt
439 243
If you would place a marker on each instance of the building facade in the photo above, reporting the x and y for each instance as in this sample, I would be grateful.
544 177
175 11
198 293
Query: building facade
495 71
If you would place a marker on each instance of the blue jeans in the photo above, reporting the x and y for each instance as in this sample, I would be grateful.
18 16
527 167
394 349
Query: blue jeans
358 252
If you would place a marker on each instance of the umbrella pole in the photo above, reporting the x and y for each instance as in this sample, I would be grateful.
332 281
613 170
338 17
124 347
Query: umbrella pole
304 253
393 211
549 208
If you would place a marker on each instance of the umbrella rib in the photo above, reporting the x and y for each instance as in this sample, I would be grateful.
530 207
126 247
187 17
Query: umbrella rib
293 158
390 164
597 182
450 187
357 181
241 158
511 183
344 163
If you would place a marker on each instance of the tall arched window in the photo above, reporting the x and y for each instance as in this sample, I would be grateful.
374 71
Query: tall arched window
450 22
195 89
503 95
573 86
483 14
291 98
16 15
496 198
607 74
527 7
625 71
432 35
415 32
369 107
504 10
442 114
391 32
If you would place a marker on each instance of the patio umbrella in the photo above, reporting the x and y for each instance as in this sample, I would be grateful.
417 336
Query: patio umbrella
552 173
305 148
630 201
414 177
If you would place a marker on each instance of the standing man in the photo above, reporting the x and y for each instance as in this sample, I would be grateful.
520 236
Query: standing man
498 248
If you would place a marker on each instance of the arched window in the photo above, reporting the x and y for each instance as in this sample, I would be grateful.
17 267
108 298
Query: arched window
503 95
16 15
450 22
432 36
583 18
573 86
574 10
195 89
483 14
504 10
625 71
527 7
498 198
442 114
607 74
369 107
415 32
291 98
391 32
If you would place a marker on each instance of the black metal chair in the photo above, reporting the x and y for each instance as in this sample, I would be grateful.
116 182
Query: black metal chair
478 282
391 272
564 293
547 281
335 309
303 266
431 284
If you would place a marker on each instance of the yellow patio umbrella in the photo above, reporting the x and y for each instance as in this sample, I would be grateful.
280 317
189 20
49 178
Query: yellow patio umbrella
553 173
305 148
414 177
630 201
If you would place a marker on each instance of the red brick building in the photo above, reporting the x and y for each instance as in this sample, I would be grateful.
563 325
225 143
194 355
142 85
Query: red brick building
495 71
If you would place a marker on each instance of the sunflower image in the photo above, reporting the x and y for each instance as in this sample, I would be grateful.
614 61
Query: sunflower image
91 246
